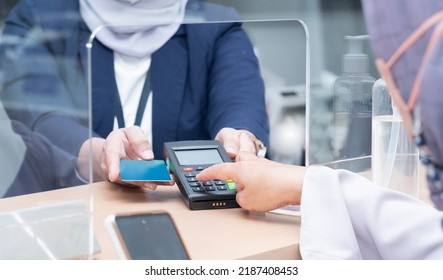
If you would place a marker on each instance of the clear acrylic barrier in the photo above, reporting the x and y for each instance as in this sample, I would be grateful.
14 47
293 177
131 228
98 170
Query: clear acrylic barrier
45 205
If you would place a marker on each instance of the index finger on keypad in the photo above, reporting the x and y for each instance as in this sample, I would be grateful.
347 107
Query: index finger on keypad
222 171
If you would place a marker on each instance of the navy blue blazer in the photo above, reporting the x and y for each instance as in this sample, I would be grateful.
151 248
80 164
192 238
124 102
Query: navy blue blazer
204 78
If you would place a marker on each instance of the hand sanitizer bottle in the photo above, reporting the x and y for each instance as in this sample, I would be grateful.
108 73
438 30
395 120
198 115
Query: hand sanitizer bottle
352 109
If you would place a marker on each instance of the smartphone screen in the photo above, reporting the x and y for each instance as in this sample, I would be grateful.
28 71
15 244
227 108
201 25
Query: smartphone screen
150 236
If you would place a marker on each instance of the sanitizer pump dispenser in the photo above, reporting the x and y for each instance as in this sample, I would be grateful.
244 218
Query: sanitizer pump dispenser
352 109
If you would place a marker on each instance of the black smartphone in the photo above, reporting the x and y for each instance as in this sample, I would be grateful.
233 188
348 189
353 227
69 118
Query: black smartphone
146 236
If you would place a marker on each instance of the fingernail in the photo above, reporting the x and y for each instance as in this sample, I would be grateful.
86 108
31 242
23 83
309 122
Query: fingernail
148 154
112 176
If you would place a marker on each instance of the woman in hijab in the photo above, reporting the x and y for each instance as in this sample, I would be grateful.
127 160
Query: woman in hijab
345 216
154 79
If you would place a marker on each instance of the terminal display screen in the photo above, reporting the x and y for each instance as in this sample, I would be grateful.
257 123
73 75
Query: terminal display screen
196 157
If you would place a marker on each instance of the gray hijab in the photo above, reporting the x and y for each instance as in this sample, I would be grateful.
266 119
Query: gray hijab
389 24
133 27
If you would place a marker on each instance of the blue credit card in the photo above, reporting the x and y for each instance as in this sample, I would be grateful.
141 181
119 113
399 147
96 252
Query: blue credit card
144 170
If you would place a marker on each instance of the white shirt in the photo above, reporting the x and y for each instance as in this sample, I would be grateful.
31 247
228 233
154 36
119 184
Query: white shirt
346 216
130 75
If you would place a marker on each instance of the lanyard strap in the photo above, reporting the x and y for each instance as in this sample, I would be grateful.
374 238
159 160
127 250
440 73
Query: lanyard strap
141 104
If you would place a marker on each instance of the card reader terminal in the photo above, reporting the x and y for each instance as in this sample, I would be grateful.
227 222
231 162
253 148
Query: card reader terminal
185 159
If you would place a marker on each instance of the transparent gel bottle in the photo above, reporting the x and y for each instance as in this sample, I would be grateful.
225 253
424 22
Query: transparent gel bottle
394 155
352 109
